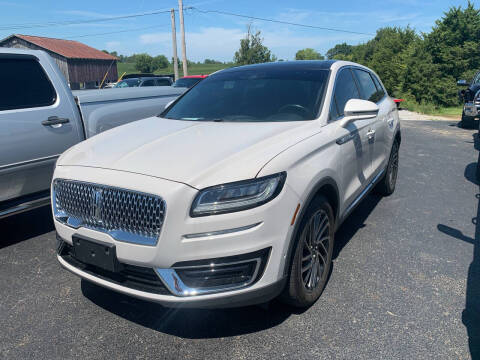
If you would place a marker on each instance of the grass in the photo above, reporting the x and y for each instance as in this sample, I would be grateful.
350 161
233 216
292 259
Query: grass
430 109
450 111
195 69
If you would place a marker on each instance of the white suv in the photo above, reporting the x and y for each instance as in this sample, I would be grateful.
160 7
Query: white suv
233 194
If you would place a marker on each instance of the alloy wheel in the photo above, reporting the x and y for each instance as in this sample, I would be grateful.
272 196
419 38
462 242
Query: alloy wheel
316 242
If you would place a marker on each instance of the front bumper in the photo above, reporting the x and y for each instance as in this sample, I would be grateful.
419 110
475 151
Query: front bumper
184 239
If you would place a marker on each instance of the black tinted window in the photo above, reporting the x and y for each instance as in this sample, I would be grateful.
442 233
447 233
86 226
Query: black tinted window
345 89
333 111
24 85
163 82
148 83
367 87
381 92
254 95
188 82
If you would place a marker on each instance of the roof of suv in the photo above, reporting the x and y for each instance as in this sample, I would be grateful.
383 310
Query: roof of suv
297 64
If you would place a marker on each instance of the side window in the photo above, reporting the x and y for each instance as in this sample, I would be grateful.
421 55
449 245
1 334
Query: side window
367 86
24 85
380 90
345 89
149 83
163 82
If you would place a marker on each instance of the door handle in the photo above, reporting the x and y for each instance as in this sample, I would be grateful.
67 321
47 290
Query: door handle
54 120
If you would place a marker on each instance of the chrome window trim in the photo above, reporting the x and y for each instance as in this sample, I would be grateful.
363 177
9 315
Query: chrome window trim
117 234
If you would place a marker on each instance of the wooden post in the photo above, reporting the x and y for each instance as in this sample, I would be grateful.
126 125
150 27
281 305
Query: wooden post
174 45
182 30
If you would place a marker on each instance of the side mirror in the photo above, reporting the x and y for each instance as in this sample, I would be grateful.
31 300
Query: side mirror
462 83
356 109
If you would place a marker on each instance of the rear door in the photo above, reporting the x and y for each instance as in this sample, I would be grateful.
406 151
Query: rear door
37 124
353 139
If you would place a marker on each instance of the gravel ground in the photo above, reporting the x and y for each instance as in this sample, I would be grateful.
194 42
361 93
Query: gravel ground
405 283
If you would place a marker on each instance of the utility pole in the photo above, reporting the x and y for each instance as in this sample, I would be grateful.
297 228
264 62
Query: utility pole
182 30
174 44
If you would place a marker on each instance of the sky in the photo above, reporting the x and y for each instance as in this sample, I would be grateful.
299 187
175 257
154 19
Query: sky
212 35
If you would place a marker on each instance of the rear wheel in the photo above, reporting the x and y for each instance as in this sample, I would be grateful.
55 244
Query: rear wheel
313 255
386 186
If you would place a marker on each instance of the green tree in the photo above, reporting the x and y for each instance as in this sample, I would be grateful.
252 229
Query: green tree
339 51
382 54
159 62
252 50
308 54
144 63
211 61
454 47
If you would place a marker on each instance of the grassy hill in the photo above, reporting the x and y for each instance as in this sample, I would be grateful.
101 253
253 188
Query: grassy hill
195 69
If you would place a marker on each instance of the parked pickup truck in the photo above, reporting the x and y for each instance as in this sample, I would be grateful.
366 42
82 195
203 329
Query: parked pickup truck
470 96
40 118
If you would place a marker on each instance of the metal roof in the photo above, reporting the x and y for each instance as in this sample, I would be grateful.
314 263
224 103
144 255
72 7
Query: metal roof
66 48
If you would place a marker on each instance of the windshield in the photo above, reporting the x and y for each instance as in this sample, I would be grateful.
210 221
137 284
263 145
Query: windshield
188 82
128 83
254 95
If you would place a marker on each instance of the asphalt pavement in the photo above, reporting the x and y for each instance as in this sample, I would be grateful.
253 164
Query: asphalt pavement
405 283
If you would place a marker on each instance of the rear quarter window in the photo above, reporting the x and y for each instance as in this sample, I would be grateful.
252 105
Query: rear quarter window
380 89
24 85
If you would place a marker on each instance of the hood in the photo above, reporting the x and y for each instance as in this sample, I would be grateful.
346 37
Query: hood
196 153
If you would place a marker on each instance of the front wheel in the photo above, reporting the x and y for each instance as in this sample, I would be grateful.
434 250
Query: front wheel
386 186
467 122
313 255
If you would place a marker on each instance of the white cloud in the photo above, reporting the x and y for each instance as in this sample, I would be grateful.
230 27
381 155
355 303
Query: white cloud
210 42
83 13
113 46
156 38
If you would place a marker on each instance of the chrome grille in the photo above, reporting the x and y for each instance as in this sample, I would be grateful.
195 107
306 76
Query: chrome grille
124 214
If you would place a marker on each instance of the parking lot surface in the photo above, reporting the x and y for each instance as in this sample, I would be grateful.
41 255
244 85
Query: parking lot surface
404 285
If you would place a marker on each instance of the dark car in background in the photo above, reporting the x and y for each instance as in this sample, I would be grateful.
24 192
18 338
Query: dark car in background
144 81
471 99
188 81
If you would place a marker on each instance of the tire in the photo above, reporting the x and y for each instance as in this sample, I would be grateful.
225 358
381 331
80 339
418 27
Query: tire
386 186
467 122
303 288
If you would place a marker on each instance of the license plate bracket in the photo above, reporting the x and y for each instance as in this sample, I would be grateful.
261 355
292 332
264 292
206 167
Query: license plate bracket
96 253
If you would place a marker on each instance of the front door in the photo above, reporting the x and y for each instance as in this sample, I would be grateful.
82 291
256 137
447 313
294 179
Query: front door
354 139
37 124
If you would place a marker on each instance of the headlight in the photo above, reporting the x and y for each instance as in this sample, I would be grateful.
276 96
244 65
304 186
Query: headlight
237 196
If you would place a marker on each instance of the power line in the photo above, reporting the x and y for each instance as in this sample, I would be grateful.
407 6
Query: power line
75 22
276 21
